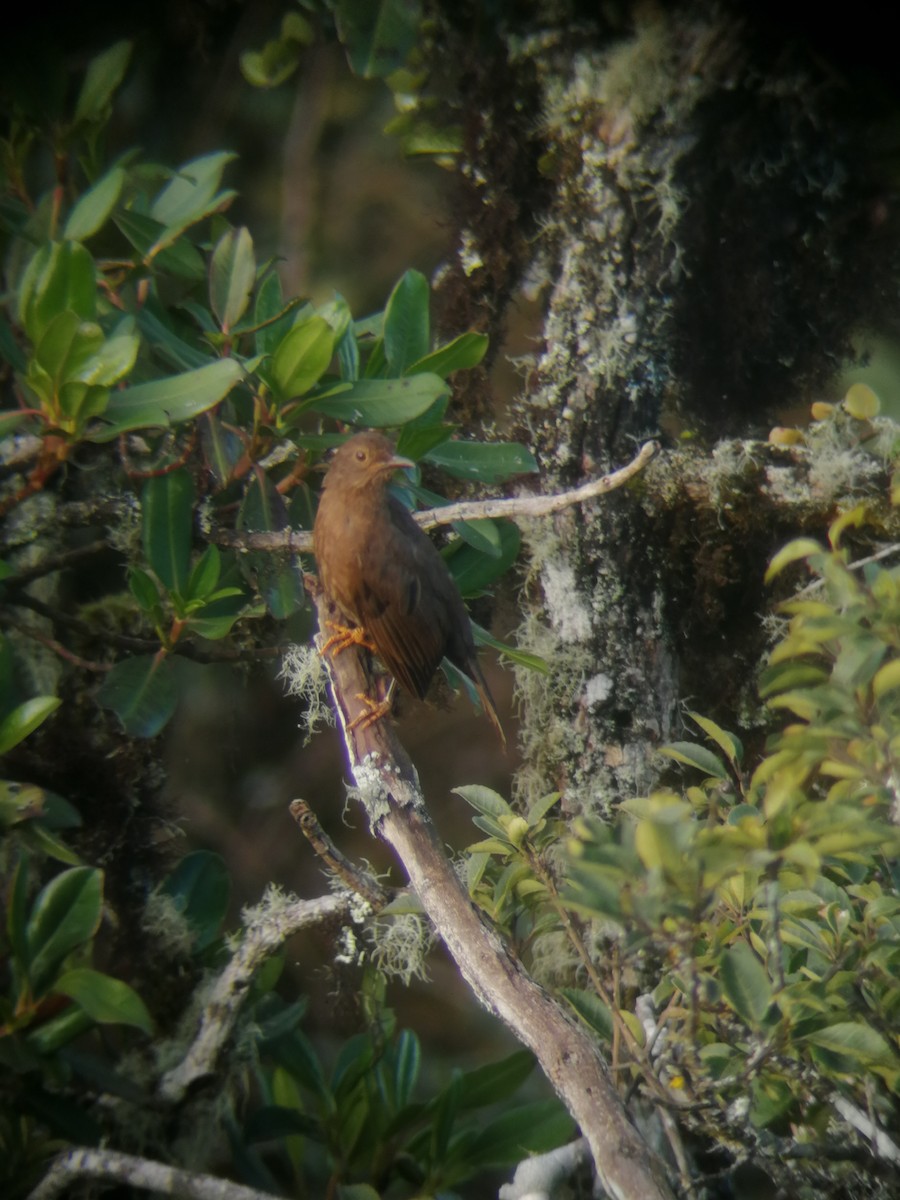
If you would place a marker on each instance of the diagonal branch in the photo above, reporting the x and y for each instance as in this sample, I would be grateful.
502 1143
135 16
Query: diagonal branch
389 790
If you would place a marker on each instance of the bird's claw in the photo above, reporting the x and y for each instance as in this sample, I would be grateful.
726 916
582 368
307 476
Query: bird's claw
375 710
345 636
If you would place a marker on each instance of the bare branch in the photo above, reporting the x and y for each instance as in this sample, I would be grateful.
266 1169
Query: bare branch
110 1166
389 789
299 541
266 927
352 876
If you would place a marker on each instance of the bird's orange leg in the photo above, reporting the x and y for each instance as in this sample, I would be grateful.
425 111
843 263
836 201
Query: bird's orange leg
345 636
375 710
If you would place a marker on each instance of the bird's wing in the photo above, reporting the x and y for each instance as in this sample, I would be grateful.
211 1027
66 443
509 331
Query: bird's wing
400 603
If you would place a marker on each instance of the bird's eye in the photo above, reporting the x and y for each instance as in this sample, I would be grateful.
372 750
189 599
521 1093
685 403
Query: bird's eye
361 456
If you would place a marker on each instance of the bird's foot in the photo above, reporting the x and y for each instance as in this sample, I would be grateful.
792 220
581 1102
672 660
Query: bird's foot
345 636
375 710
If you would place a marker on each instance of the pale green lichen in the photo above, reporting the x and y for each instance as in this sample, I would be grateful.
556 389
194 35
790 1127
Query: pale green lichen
304 676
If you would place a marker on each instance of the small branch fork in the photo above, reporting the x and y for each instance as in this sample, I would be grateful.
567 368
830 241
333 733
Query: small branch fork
299 541
389 790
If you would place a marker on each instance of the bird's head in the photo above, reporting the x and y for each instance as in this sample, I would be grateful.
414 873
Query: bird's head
365 460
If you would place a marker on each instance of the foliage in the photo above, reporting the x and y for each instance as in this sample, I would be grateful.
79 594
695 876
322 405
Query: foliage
759 909
155 371
136 315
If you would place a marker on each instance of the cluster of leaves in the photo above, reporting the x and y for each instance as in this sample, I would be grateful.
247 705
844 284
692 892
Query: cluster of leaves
141 331
769 901
142 338
363 1125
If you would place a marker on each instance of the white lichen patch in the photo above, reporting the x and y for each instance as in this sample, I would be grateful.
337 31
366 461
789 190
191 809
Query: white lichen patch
401 947
304 676
568 615
597 689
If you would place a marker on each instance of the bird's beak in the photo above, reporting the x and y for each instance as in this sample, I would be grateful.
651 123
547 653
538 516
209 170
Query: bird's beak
398 464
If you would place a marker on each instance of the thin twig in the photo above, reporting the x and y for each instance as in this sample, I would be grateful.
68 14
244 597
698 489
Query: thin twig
348 872
83 1163
299 541
58 648
54 562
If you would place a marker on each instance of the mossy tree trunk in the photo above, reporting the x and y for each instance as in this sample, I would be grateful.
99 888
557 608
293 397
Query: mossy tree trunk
695 199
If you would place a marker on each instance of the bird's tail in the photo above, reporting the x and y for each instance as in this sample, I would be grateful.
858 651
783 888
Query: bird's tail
487 700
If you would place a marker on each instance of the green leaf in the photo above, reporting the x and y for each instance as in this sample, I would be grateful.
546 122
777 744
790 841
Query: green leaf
474 571
168 401
495 1081
746 983
484 800
488 462
377 35
201 889
592 1010
727 742
106 1000
463 352
167 512
530 1129
301 358
407 1061
382 403
94 207
104 74
232 273
407 332
278 59
696 756
60 276
855 1039
522 658
792 552
160 248
887 679
141 692
192 194
277 579
113 359
23 720
144 589
65 914
205 575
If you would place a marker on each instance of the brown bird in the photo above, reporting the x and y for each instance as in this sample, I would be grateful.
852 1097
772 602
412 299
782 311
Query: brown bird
386 575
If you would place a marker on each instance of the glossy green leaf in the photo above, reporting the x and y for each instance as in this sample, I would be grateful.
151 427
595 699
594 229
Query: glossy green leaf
201 889
113 359
278 59
65 914
141 692
93 209
106 1000
382 403
522 658
487 462
60 276
377 35
302 358
160 248
168 401
24 719
407 329
167 525
482 535
463 352
232 273
746 983
103 76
